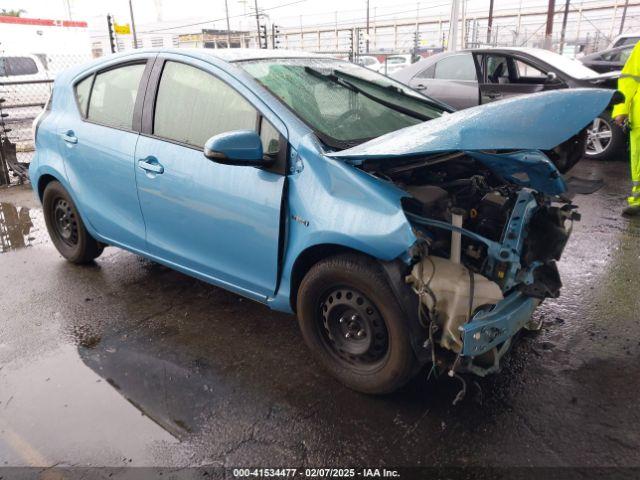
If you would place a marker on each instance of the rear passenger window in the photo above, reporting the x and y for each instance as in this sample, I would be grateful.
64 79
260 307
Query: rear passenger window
456 67
82 94
192 106
114 96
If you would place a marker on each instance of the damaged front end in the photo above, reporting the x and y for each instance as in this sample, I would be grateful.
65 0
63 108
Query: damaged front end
481 275
489 207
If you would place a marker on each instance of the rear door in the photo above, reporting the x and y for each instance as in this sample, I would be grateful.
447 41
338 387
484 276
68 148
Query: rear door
221 222
451 80
503 75
97 139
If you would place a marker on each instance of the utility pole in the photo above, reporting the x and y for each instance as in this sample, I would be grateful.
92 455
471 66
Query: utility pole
548 35
452 43
257 24
367 39
226 8
624 16
564 25
133 26
490 23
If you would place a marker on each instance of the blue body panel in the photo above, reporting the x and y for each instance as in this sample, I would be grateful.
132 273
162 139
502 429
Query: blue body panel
243 228
540 121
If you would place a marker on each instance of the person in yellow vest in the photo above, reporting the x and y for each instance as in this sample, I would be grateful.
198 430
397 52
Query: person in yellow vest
629 111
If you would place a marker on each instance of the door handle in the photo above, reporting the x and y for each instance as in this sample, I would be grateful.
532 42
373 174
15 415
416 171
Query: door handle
494 95
421 86
69 137
150 167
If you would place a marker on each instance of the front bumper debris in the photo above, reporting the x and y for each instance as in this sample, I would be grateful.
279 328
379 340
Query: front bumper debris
490 328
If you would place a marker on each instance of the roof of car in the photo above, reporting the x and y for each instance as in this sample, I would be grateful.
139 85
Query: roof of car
240 54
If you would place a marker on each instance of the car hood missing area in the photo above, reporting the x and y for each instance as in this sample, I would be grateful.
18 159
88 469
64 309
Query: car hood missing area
539 121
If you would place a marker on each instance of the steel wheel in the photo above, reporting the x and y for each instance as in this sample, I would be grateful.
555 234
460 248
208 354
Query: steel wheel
353 329
599 137
65 222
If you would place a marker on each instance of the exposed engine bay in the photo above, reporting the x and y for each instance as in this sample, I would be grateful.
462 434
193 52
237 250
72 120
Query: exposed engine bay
487 252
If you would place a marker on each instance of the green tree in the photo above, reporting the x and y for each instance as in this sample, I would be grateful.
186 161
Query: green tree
11 13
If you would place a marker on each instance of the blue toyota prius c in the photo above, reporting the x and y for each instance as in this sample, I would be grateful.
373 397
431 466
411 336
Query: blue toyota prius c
399 232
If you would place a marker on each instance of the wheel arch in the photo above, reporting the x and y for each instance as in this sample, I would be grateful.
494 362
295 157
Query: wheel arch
308 258
43 181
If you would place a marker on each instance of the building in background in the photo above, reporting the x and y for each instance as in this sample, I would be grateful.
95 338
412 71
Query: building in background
210 38
59 43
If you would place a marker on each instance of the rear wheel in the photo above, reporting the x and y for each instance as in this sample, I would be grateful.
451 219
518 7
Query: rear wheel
351 321
605 140
66 229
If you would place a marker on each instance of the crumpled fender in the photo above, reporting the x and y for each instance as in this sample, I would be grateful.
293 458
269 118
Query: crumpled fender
539 121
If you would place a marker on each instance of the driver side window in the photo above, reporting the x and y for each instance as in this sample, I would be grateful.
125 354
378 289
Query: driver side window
497 69
193 105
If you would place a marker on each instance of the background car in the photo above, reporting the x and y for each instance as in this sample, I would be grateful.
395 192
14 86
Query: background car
393 63
370 62
471 77
612 60
625 39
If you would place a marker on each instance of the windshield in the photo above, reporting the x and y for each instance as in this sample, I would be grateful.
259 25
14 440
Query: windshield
344 103
573 68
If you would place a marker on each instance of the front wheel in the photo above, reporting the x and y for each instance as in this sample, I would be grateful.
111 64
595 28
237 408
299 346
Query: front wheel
66 229
353 324
605 140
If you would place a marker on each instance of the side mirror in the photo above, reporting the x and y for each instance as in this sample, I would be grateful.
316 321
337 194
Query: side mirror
552 77
238 147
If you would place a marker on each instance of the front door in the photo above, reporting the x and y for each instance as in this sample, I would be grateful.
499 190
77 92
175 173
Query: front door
219 222
503 76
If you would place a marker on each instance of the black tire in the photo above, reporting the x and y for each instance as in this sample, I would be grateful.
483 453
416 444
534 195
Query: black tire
380 360
66 229
611 148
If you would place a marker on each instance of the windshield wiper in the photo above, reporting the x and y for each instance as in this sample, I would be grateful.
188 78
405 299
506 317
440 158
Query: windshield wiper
333 77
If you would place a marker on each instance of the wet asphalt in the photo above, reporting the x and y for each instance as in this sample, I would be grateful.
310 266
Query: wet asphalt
128 363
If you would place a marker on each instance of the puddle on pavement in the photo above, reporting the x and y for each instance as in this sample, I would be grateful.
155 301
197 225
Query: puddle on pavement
40 400
20 227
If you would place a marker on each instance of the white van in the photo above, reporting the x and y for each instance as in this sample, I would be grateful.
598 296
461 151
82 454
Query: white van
23 81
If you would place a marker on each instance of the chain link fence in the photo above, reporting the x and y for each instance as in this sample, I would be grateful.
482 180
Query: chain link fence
21 101
26 82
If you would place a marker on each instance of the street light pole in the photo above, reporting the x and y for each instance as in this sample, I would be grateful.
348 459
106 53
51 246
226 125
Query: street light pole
490 23
548 36
624 16
226 7
257 24
564 25
367 43
133 26
452 42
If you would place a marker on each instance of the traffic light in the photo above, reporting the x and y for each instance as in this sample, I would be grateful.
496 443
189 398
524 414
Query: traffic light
275 36
112 34
263 37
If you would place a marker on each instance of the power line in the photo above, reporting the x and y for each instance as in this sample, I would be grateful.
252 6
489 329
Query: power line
223 18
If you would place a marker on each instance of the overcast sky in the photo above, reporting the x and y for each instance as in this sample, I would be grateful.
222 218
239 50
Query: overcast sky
287 13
